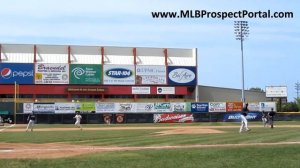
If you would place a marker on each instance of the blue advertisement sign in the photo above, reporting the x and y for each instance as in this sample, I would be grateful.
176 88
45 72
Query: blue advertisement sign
182 75
21 73
252 116
199 107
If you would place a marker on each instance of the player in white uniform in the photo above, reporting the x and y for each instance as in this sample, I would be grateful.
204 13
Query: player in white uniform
78 120
244 122
30 119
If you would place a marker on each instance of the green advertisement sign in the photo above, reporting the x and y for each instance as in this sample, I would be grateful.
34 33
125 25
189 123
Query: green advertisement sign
85 74
85 106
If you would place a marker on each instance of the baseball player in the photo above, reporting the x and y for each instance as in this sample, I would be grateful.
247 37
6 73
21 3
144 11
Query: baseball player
30 119
244 122
78 120
264 118
271 115
1 121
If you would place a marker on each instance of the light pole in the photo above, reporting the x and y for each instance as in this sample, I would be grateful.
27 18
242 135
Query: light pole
297 87
241 31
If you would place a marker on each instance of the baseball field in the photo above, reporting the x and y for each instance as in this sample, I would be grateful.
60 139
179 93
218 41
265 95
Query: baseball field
214 145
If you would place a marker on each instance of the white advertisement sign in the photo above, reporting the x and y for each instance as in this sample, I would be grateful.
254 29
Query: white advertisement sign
51 74
105 107
126 107
217 106
182 75
27 107
162 107
253 106
65 107
119 74
151 75
276 91
145 107
165 90
267 106
43 108
178 107
140 90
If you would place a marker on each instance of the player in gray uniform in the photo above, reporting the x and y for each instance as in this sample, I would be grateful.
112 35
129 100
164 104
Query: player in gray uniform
30 119
264 118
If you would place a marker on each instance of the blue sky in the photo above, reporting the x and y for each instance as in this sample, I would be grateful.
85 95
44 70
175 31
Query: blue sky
271 52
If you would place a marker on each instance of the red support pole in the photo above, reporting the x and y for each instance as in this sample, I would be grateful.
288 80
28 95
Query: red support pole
69 55
102 55
0 53
166 56
34 53
134 55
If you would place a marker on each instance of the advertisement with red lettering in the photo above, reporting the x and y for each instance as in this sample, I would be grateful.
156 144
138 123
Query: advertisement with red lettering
173 118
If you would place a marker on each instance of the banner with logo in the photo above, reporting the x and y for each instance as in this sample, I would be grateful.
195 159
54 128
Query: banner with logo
217 106
85 74
251 116
119 75
182 75
126 107
234 106
162 107
199 107
51 73
105 107
43 107
27 107
85 106
140 90
16 72
173 118
145 107
181 107
267 106
165 90
65 108
151 75
253 107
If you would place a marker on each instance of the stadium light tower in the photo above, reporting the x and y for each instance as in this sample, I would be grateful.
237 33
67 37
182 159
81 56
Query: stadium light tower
241 31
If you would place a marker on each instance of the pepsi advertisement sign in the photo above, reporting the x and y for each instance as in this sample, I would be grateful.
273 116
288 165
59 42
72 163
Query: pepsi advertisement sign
182 75
199 107
21 73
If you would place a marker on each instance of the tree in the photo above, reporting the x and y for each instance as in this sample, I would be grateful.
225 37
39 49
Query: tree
257 89
290 107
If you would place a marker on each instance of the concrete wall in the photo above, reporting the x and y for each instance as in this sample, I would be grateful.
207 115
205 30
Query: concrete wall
215 94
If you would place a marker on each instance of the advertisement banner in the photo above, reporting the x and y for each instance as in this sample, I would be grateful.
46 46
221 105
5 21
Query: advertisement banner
182 75
65 108
253 107
85 106
151 75
119 75
126 107
162 107
173 118
43 107
16 72
217 106
267 106
234 106
27 107
181 107
145 107
165 90
252 116
85 74
51 73
276 91
199 107
140 90
105 108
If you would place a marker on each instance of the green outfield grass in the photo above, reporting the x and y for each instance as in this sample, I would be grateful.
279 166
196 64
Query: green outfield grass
274 156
